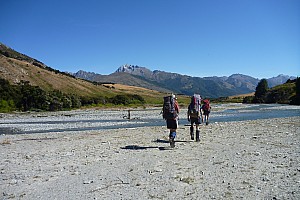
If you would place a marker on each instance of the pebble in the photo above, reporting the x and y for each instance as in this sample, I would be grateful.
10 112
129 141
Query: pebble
88 182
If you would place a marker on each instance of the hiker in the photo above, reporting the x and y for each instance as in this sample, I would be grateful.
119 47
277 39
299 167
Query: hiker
206 110
194 115
170 114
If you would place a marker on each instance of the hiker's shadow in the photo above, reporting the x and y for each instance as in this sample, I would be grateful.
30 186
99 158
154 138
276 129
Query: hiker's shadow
160 141
137 147
167 141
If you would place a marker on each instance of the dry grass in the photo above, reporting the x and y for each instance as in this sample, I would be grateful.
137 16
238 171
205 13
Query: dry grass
5 141
15 70
132 89
242 95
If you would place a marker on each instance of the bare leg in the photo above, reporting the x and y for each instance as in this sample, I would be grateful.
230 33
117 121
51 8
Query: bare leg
197 133
192 131
207 116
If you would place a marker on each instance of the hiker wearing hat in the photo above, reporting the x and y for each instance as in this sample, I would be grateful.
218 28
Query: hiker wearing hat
194 116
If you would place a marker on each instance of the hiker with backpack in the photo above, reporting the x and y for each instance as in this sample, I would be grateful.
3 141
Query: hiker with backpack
194 115
206 110
170 114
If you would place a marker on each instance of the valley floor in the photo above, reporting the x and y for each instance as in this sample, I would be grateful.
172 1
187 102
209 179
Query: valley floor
256 159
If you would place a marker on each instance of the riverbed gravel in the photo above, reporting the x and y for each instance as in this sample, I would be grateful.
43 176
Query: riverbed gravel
255 159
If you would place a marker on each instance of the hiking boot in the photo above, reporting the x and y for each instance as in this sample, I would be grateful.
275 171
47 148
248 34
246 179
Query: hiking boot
192 136
172 142
197 136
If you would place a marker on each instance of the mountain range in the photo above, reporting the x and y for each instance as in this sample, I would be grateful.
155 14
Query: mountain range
211 87
15 66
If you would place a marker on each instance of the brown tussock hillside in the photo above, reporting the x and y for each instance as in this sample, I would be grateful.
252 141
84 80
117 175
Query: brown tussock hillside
15 71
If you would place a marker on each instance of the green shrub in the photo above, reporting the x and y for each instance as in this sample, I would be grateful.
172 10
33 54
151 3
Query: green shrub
7 106
126 99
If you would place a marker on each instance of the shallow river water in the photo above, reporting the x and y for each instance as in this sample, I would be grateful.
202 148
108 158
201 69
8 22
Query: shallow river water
88 120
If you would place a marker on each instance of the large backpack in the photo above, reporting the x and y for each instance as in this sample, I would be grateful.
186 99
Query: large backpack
206 106
169 111
195 105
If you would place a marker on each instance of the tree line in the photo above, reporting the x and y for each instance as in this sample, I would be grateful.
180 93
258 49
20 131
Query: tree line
288 93
25 97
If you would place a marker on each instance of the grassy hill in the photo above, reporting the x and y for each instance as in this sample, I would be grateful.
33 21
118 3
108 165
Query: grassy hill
16 67
15 70
282 93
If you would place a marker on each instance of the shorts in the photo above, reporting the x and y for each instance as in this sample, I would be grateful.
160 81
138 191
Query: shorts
206 112
172 123
195 120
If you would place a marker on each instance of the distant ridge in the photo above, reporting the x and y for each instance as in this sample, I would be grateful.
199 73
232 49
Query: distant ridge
211 87
122 78
15 66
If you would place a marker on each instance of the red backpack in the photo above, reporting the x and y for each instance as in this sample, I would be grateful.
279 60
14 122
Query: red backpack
206 105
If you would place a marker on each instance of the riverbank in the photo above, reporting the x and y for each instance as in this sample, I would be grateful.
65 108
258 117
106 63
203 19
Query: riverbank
256 159
98 119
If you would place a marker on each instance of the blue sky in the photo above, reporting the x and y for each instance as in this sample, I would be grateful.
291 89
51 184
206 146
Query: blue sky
260 38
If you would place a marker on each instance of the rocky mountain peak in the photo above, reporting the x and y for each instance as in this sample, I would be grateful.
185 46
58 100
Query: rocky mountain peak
280 79
128 68
135 70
